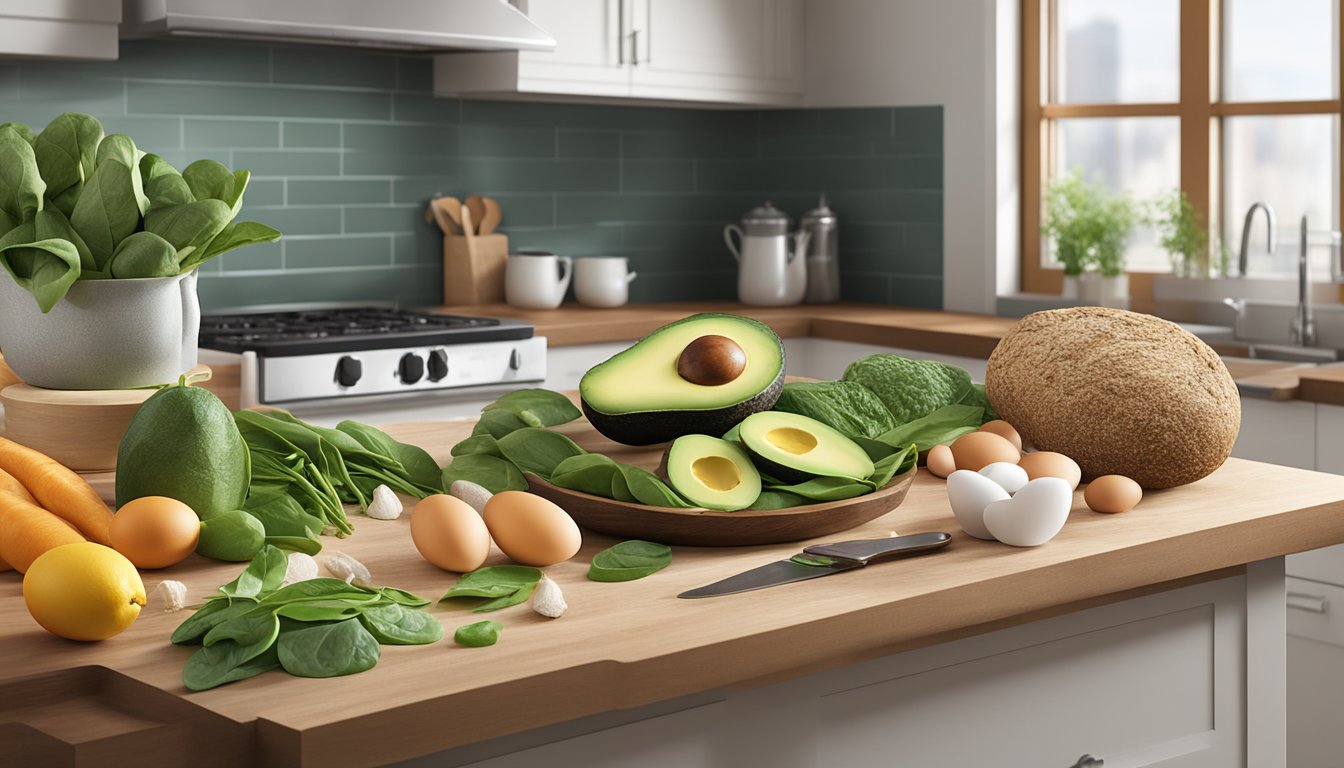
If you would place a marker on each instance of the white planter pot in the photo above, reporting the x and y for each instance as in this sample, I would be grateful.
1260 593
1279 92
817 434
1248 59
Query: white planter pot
1114 291
1089 288
1071 288
105 334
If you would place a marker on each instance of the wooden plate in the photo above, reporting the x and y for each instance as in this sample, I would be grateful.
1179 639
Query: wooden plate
703 527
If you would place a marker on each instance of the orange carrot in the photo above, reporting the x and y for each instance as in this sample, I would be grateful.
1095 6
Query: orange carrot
58 489
9 485
27 530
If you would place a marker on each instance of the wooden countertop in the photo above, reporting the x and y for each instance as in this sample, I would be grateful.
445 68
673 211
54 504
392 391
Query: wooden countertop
121 702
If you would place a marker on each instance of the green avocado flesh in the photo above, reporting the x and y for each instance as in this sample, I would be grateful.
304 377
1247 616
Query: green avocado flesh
712 473
795 448
638 398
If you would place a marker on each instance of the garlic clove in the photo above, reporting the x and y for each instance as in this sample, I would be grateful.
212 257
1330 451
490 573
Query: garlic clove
347 568
170 596
384 505
548 600
475 495
301 567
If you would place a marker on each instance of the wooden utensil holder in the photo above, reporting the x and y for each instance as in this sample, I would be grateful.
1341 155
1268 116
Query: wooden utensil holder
473 268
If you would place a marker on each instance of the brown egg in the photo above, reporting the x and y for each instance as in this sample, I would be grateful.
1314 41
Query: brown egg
1051 464
531 530
977 450
449 533
1005 430
1112 494
155 531
940 461
711 360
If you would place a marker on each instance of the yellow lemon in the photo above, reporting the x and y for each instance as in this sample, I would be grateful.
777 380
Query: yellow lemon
83 591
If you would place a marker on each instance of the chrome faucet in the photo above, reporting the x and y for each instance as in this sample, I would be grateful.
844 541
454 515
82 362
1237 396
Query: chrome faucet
1304 326
1271 222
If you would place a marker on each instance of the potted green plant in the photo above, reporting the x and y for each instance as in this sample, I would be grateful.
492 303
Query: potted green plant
1181 234
100 243
1090 227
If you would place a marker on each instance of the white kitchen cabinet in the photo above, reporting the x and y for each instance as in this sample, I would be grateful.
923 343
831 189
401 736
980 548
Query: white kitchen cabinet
71 29
1162 680
1277 432
722 51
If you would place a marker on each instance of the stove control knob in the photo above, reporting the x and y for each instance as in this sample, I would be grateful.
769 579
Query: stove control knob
348 371
411 368
438 365
515 360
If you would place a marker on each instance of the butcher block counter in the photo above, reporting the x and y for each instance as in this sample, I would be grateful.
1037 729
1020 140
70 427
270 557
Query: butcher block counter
628 646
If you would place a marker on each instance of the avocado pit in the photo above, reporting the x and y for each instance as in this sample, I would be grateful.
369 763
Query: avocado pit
711 360
717 472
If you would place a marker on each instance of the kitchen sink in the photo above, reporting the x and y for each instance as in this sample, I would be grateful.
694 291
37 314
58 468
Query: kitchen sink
1293 353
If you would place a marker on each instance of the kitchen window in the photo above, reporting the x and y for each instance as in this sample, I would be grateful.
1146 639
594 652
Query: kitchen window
1232 101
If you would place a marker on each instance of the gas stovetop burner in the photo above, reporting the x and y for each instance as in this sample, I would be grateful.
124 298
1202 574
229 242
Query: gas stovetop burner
283 334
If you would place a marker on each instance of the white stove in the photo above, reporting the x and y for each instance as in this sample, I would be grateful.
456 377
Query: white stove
358 355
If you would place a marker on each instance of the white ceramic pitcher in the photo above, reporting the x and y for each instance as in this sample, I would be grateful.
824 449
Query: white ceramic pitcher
769 274
536 280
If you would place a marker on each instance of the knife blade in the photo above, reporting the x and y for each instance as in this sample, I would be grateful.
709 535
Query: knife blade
828 558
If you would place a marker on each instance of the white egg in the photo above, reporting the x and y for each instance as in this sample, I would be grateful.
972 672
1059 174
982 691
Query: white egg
969 493
1033 515
1010 476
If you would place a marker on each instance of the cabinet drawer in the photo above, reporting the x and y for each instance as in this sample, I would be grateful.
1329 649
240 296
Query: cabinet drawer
1316 611
1325 564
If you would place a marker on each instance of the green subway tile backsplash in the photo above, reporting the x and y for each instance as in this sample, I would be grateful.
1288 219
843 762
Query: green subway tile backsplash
346 146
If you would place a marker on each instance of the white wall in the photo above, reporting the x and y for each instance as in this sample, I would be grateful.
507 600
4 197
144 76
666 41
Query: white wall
962 54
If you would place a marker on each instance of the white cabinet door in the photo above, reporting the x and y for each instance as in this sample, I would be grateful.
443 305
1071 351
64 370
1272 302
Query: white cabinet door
1277 432
590 51
711 49
71 29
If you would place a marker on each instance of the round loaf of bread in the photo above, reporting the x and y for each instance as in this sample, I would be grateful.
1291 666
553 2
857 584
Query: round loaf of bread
1120 393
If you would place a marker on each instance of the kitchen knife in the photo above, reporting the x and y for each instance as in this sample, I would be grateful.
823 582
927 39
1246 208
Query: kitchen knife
828 559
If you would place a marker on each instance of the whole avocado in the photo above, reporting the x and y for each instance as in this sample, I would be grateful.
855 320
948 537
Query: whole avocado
182 443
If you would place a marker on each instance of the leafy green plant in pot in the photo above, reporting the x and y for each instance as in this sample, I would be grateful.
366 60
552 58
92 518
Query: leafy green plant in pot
1090 227
100 243
1181 234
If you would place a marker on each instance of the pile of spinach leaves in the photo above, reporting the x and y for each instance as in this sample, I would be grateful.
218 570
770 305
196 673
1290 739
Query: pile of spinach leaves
322 468
78 205
316 628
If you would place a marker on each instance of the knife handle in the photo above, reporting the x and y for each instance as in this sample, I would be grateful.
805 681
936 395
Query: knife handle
865 551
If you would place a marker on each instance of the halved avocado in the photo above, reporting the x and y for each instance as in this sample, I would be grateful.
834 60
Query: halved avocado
795 448
699 375
712 473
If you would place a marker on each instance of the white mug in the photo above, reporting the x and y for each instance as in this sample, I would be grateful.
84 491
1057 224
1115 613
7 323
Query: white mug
536 281
602 281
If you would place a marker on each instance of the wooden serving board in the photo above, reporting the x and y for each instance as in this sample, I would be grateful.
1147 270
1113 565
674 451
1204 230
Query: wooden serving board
704 527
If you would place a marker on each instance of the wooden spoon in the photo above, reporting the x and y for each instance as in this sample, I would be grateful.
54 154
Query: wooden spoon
490 219
448 212
477 207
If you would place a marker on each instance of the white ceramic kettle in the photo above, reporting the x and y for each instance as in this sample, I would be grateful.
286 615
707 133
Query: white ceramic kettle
769 274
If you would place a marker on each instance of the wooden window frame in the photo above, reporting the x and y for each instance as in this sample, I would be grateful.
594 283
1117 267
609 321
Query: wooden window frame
1197 108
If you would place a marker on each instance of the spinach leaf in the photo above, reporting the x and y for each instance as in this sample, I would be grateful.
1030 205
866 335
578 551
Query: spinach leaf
828 488
482 444
232 536
328 650
848 407
42 257
402 597
587 473
497 424
189 227
212 180
120 147
143 254
319 610
322 588
898 462
478 635
65 152
21 186
225 662
629 560
645 487
308 544
537 450
537 407
508 584
281 515
236 235
494 474
106 212
395 625
876 449
409 462
942 426
977 397
164 186
773 499
206 618
264 574
258 625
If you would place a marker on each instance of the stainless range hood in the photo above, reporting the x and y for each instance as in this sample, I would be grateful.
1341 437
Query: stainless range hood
408 25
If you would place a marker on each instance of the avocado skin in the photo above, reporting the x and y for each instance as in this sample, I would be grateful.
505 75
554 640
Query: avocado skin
786 475
649 427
